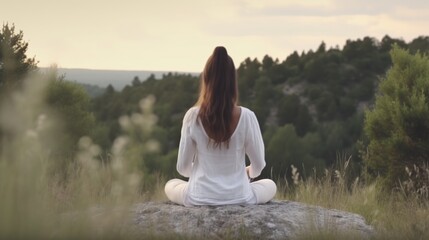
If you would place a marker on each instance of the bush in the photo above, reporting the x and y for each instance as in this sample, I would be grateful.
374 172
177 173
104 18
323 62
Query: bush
398 126
70 104
285 148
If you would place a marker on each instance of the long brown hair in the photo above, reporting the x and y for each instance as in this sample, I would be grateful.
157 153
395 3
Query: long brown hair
218 96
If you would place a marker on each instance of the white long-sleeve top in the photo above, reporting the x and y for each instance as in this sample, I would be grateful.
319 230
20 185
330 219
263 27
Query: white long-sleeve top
217 176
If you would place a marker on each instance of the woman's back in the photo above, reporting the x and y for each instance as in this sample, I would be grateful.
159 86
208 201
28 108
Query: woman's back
217 173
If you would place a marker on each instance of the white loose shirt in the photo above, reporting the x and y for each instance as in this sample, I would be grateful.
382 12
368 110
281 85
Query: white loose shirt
217 176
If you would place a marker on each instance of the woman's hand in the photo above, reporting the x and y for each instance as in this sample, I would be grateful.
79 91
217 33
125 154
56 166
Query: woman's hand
248 173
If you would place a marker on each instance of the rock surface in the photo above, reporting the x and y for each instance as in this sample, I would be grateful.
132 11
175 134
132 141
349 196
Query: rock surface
275 220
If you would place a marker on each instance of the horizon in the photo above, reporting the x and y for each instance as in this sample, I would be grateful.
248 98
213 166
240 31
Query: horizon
126 70
180 36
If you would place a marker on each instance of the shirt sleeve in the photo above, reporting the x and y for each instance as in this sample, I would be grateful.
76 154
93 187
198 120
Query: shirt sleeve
187 147
254 147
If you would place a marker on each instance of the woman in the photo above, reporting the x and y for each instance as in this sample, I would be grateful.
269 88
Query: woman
216 135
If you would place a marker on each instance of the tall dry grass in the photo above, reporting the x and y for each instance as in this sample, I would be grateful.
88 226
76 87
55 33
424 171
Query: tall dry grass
89 199
398 214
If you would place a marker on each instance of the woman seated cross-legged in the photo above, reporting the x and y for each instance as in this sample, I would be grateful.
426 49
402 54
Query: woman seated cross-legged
216 135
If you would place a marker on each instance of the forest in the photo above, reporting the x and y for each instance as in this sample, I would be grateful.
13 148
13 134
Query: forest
310 105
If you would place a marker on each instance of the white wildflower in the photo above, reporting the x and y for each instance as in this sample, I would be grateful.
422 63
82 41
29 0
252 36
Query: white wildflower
137 119
119 145
85 142
152 145
125 122
146 103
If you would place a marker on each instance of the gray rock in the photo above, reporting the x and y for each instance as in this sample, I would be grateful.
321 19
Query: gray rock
275 220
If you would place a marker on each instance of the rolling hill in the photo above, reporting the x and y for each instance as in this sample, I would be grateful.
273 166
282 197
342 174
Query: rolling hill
102 78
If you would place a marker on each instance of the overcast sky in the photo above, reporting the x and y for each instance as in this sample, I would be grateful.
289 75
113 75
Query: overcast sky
179 35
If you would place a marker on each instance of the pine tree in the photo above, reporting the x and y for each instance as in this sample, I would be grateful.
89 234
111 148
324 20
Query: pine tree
14 63
398 125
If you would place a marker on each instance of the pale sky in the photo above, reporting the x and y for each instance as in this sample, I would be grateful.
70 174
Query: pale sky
179 35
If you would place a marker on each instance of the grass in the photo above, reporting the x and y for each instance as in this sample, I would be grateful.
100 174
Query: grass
43 196
90 200
394 215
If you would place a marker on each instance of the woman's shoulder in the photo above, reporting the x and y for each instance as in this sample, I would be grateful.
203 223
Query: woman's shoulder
192 113
192 110
246 113
248 117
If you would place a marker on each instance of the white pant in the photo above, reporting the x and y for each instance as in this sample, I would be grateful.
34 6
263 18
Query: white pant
264 190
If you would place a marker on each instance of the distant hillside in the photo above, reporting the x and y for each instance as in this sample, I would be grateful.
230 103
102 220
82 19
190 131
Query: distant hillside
92 90
102 78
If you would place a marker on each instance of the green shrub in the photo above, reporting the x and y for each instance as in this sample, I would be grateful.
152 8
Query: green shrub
70 104
398 126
